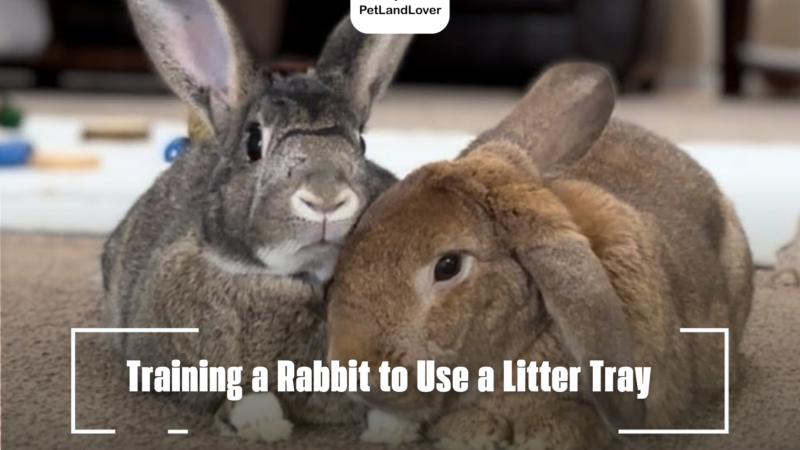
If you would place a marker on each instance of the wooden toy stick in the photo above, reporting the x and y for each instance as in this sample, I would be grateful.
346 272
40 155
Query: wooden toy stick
120 128
65 161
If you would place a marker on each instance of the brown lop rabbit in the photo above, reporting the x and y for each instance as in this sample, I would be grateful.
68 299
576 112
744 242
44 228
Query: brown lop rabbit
561 235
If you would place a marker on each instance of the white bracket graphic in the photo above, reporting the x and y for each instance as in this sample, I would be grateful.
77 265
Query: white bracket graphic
110 330
725 331
727 392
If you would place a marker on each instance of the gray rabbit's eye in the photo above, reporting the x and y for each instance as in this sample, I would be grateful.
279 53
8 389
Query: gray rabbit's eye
447 267
255 142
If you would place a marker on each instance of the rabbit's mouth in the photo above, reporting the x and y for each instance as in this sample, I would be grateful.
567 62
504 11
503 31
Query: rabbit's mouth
326 232
336 230
321 246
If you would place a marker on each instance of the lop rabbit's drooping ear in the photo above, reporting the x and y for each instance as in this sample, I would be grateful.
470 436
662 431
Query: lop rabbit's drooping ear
557 122
365 79
580 298
198 52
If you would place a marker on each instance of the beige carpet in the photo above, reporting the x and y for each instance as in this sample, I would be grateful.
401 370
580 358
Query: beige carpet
50 284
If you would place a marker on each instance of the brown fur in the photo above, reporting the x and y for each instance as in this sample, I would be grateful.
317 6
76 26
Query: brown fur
601 244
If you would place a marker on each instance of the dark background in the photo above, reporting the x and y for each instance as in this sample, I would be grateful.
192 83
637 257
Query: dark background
487 42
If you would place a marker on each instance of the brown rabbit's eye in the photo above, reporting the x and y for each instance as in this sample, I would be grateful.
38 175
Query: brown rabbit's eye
255 142
447 267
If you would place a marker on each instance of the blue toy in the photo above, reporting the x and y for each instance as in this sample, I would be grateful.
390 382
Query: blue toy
14 153
175 148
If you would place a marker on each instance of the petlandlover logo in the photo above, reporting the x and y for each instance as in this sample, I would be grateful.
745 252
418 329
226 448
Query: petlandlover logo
400 16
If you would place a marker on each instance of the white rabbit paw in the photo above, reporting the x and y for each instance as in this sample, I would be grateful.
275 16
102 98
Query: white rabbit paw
259 417
383 428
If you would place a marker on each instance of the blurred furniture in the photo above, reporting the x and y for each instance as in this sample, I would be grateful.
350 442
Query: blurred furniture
98 36
735 26
780 66
75 44
507 41
24 27
487 42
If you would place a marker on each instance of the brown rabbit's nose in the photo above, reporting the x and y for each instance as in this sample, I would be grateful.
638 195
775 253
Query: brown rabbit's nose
338 205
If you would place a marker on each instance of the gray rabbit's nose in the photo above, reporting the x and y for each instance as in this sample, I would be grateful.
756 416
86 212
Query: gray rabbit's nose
307 205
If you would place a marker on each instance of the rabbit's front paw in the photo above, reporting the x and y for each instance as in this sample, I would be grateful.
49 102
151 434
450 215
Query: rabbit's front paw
384 428
471 429
260 417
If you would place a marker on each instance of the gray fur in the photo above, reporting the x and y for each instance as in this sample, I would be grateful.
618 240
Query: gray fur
187 252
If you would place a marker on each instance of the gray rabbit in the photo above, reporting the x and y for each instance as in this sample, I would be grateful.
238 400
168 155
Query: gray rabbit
240 235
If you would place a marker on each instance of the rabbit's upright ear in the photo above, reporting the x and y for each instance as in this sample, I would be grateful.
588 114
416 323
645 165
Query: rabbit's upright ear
587 312
361 66
560 116
198 52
